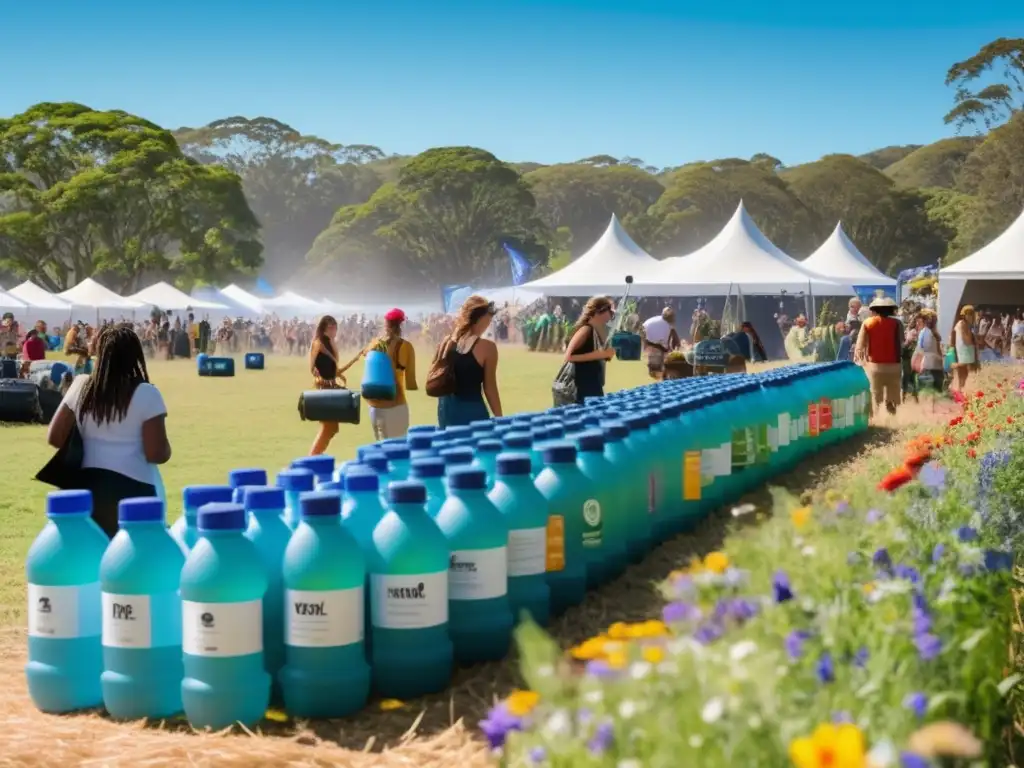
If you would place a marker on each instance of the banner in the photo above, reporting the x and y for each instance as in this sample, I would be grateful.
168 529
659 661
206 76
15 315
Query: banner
520 265
452 297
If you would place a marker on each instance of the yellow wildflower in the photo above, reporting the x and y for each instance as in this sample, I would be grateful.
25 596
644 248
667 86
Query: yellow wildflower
650 628
522 703
830 746
588 650
800 517
276 716
869 588
653 653
620 630
717 562
616 659
387 705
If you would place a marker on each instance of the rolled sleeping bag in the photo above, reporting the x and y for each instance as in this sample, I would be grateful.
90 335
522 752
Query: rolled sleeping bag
339 405
378 377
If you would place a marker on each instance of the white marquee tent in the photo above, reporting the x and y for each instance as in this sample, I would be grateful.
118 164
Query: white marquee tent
92 298
10 304
740 259
841 260
992 275
43 305
246 299
234 308
290 302
169 299
602 269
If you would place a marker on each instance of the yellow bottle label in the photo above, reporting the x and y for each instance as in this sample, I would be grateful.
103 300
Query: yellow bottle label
555 550
691 476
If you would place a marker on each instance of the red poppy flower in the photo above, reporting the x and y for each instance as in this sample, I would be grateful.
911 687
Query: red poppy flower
917 461
1009 419
956 421
895 479
972 453
979 394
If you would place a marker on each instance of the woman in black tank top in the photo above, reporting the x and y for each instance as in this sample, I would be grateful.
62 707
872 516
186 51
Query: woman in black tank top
323 364
586 348
474 363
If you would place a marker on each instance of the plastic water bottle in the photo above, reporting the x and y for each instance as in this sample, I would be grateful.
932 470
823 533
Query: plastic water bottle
294 483
410 648
604 536
326 674
636 523
269 533
430 472
522 442
566 491
361 510
487 451
65 652
421 445
185 530
321 466
222 588
456 457
480 619
398 458
240 479
139 575
377 460
526 514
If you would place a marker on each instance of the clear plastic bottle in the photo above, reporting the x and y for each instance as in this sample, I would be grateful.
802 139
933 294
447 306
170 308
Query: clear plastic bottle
185 530
566 491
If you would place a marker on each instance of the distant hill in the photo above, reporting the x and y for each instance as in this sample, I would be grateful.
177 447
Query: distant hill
886 156
388 167
933 165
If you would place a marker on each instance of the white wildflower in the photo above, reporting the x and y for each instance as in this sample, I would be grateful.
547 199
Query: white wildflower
628 709
713 711
743 509
883 755
741 650
593 697
628 764
545 670
696 741
808 551
558 724
640 669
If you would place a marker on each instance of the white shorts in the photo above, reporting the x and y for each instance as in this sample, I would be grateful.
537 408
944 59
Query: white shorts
390 422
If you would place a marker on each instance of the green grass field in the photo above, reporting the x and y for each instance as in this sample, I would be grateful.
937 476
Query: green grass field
216 425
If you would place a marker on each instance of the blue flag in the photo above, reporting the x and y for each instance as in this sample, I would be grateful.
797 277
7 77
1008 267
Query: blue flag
452 296
520 265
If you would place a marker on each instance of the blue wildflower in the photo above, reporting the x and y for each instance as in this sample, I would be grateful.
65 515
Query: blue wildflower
998 560
601 669
676 612
602 739
781 587
873 516
933 477
498 724
910 760
826 669
938 552
842 718
538 755
928 646
860 659
965 533
795 643
907 572
917 703
707 633
881 558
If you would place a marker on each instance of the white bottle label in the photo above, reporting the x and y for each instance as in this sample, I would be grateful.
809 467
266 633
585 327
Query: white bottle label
324 619
783 430
850 418
222 629
725 459
478 574
773 437
409 602
64 613
127 621
527 551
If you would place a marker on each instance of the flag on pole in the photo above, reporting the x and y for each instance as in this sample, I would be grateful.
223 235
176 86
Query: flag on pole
520 264
452 297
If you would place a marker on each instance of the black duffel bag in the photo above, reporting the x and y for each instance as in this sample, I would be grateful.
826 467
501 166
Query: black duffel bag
19 401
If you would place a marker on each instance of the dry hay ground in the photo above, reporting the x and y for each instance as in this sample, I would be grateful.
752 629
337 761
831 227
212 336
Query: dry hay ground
435 731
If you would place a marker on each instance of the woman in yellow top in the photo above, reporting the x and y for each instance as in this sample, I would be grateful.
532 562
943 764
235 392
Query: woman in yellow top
390 418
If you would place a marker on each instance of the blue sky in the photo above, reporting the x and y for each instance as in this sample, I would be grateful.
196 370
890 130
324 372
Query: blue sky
543 80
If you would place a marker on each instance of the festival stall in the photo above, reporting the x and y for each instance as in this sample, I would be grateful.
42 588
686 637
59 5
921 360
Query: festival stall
42 305
234 308
290 304
169 299
993 275
244 298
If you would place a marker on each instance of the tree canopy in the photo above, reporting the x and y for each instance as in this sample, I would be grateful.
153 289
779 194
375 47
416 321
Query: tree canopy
84 192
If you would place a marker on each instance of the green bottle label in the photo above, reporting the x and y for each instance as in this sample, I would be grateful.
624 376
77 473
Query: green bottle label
593 523
741 453
763 444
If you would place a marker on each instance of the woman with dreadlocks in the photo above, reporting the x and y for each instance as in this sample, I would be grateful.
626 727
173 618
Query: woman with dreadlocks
121 419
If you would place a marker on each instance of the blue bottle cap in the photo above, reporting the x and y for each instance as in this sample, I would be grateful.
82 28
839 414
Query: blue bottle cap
148 509
220 516
556 431
427 467
517 440
591 442
540 434
377 461
481 424
320 503
513 464
301 480
362 479
266 497
318 465
573 425
362 450
68 503
422 428
336 486
637 421
237 478
407 492
396 451
615 430
453 456
489 446
421 442
467 479
591 419
560 453
456 432
194 496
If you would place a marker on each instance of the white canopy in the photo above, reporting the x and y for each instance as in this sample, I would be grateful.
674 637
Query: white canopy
105 303
991 275
290 301
513 296
170 299
244 298
10 304
602 269
839 259
741 259
43 305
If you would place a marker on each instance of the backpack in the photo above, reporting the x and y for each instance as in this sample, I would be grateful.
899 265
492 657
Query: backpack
441 376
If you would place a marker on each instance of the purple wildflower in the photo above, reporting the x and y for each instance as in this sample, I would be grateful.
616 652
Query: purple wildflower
707 633
881 558
842 718
826 669
683 585
933 477
678 611
842 507
908 572
795 643
938 552
538 755
873 516
738 609
601 669
498 724
916 703
998 560
965 533
860 659
910 760
928 646
781 587
603 739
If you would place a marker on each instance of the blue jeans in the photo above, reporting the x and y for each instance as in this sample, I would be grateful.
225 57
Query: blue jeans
456 412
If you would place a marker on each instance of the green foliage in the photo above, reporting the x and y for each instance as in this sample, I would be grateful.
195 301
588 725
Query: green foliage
993 103
886 156
85 192
933 165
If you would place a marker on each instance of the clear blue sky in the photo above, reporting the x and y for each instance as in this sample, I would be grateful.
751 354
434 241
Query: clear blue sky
545 80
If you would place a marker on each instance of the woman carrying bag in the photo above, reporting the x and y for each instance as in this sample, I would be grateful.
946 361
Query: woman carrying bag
586 354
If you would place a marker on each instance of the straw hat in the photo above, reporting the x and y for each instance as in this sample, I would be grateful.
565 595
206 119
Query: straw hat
882 301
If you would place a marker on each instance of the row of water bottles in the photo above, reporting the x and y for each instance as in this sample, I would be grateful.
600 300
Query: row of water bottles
419 553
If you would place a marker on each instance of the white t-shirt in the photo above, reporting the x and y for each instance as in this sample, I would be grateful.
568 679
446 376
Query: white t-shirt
117 445
657 329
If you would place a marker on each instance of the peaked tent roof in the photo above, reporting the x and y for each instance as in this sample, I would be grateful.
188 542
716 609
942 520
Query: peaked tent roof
1002 258
210 294
9 303
35 296
839 259
602 269
167 297
740 255
292 300
89 293
244 298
